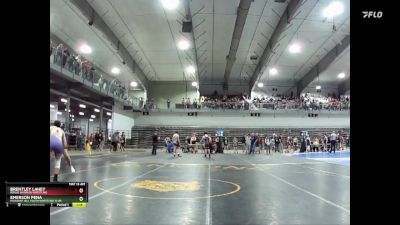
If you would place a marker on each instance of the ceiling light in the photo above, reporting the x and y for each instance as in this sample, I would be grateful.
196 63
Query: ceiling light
97 110
273 71
93 116
52 106
190 69
64 100
85 49
72 116
82 106
194 84
183 45
59 113
115 70
91 120
260 85
133 84
318 87
108 114
170 4
294 48
81 113
333 9
66 110
341 75
73 120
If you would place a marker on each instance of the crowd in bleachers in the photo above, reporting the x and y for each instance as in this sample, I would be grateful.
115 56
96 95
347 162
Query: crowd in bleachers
80 66
306 101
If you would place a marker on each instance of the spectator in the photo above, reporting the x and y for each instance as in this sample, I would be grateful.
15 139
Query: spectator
65 56
248 143
184 103
91 72
194 104
315 145
168 103
59 54
267 145
295 143
308 144
115 141
235 144
277 139
122 141
155 143
202 100
101 140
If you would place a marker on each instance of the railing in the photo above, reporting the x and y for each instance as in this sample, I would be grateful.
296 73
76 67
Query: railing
83 73
250 106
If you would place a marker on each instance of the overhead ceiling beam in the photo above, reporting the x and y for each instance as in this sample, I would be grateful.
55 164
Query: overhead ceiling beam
188 17
285 19
95 20
322 64
242 12
344 86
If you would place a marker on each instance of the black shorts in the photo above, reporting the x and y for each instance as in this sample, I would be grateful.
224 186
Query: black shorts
176 144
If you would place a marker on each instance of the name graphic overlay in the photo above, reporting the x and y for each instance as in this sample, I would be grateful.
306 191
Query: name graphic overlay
44 194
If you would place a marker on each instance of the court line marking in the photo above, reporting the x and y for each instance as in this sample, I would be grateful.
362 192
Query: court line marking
96 184
104 192
300 189
78 171
208 205
132 162
328 172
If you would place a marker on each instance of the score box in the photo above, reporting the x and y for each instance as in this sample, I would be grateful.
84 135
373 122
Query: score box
60 194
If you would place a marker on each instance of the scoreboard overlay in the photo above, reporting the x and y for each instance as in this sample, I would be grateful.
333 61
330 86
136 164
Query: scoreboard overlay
60 194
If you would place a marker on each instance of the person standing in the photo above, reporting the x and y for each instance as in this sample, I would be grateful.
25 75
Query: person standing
123 140
333 142
325 142
115 141
155 143
277 142
256 146
248 144
177 143
341 141
101 140
218 141
58 144
206 145
87 147
303 145
235 145
168 103
308 143
295 143
267 145
192 143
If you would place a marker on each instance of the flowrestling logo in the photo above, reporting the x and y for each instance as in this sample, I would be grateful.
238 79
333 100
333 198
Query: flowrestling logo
372 14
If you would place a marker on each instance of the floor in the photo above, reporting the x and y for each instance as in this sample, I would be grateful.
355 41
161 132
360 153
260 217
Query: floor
339 157
138 188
